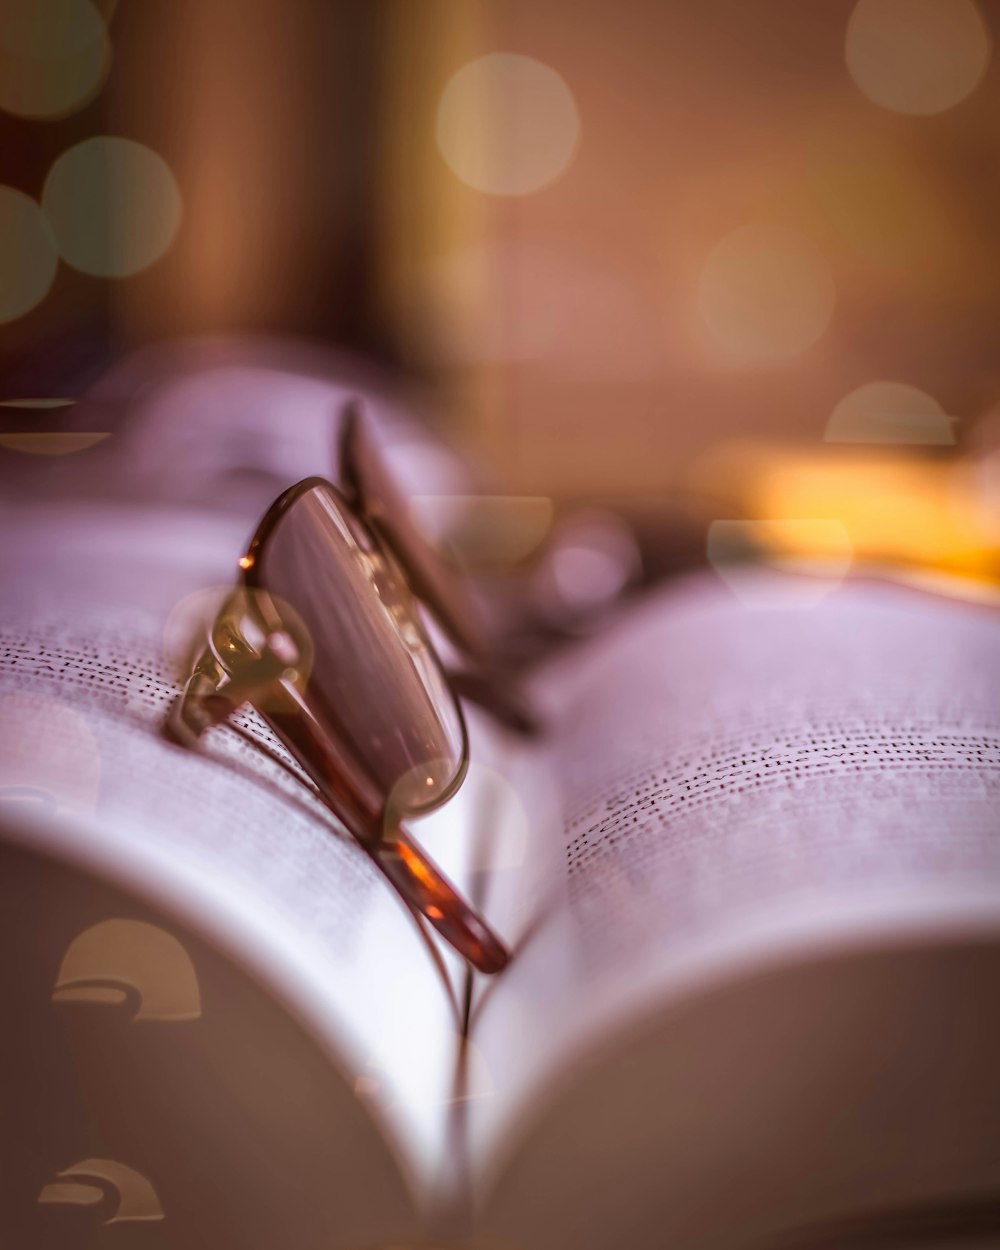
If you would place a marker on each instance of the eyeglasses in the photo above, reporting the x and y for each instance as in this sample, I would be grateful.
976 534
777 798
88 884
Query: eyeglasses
322 635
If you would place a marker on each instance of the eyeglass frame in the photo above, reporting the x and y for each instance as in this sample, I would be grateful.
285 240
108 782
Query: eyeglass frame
209 699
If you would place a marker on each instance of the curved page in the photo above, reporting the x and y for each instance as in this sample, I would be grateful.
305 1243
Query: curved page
742 788
84 687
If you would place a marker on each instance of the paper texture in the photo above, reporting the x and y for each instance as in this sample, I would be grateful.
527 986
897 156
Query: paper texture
737 781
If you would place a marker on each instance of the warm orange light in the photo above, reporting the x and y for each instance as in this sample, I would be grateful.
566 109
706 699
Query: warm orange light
246 562
416 866
896 509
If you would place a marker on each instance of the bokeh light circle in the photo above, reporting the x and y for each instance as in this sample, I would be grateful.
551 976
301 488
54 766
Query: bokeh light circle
54 56
765 292
889 412
51 443
917 56
49 758
28 258
113 205
780 562
507 124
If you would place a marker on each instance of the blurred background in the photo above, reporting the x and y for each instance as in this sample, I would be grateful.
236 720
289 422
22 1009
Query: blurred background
683 261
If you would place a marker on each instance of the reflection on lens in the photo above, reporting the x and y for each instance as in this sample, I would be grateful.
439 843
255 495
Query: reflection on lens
376 691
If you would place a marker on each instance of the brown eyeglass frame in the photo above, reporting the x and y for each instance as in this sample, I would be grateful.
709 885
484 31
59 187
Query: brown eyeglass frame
264 674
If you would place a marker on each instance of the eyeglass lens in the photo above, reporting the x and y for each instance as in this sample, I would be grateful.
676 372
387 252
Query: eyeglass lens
374 688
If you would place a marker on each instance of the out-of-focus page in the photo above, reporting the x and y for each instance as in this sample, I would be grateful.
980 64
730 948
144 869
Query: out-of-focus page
742 782
84 690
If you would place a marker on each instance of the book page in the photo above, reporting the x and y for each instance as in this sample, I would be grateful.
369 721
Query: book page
84 689
740 784
744 757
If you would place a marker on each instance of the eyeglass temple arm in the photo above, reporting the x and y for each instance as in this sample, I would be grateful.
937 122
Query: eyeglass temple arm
416 878
372 490
419 881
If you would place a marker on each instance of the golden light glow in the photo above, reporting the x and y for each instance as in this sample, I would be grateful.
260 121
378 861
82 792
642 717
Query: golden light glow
245 562
765 292
54 56
135 1199
136 960
71 1193
51 442
897 510
889 412
28 257
416 866
917 56
113 206
507 124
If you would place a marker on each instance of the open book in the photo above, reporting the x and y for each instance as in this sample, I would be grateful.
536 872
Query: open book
751 877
